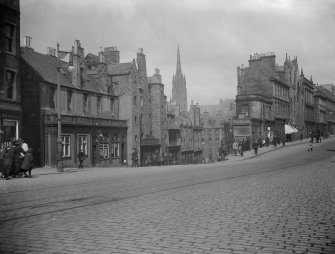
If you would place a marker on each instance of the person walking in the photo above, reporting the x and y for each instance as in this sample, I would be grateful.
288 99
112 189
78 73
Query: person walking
81 158
310 146
255 146
235 147
134 158
241 148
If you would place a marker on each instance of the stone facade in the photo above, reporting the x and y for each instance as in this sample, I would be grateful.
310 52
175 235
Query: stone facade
89 117
263 97
10 87
271 96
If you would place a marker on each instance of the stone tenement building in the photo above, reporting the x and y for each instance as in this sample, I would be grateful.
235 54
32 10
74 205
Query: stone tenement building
271 97
90 116
10 93
262 98
141 101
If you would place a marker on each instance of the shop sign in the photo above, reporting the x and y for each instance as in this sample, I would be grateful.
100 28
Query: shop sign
10 116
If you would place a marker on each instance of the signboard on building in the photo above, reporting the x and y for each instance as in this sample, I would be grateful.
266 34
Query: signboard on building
242 128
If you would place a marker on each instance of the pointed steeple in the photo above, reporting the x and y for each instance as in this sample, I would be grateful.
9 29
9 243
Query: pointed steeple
179 90
178 71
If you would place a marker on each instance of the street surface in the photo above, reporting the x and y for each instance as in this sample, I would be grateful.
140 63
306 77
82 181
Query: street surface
281 201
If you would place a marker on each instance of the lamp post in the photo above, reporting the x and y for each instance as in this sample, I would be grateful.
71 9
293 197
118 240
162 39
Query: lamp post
60 55
59 120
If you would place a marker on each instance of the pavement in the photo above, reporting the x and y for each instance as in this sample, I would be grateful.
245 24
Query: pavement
230 158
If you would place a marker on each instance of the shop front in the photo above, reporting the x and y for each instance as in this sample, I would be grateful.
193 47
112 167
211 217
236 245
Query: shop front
103 141
10 126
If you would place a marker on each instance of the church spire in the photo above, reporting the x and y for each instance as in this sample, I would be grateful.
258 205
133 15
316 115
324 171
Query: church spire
178 63
179 91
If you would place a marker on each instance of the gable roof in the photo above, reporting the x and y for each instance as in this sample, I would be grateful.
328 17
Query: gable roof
46 67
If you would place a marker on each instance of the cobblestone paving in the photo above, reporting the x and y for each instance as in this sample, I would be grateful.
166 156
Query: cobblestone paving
289 210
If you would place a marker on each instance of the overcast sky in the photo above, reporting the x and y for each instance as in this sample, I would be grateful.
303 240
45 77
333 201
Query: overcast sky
214 36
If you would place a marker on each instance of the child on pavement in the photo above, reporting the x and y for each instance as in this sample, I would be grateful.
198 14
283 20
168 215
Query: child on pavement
310 147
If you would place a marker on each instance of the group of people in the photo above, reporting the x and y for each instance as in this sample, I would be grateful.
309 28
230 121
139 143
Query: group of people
16 160
239 147
244 145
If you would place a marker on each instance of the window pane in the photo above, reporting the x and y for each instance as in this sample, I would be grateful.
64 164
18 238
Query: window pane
9 84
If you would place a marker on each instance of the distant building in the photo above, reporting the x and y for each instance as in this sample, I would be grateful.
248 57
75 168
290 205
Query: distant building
10 93
271 97
263 98
179 90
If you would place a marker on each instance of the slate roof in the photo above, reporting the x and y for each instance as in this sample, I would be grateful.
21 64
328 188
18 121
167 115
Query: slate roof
45 66
120 69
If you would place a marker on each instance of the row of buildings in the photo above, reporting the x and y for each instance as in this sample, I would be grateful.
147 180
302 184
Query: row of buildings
106 108
279 101
110 109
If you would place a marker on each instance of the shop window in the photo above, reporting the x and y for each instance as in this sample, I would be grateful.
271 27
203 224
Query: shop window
66 146
10 129
104 150
115 147
82 143
10 38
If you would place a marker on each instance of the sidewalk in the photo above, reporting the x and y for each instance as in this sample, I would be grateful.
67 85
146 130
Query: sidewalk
231 158
251 153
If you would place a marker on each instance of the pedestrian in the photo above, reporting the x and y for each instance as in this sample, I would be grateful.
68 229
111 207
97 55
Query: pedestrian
310 146
81 158
283 140
301 136
255 146
18 155
7 158
247 144
134 158
235 147
27 164
241 148
274 141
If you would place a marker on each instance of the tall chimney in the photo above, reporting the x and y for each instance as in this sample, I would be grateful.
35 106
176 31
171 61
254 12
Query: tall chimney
76 58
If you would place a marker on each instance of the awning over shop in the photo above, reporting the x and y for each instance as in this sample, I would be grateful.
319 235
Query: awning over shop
290 129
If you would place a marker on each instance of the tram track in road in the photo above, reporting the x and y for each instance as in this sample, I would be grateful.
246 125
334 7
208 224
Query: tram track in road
127 192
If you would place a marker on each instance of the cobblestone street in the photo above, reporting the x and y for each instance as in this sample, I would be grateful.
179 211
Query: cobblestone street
226 207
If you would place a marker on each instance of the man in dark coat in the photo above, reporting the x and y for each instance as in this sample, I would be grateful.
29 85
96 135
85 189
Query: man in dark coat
18 154
134 158
255 145
27 163
7 158
81 158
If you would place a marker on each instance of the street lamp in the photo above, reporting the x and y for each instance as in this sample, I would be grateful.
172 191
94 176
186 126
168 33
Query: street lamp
60 54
